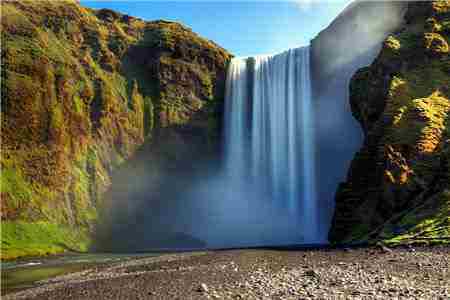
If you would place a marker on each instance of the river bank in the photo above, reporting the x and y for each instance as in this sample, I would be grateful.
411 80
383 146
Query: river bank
368 273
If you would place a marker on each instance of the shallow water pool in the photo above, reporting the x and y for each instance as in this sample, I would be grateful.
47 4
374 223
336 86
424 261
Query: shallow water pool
26 273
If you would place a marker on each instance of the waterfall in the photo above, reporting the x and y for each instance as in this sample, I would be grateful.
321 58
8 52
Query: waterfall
269 136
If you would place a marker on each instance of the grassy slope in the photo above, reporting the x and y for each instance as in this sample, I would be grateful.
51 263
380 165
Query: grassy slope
79 96
21 239
49 156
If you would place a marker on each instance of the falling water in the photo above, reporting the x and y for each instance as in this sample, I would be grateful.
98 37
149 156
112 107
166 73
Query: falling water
266 195
269 138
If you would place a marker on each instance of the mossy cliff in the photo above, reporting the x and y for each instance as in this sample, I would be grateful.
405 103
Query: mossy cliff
82 90
398 186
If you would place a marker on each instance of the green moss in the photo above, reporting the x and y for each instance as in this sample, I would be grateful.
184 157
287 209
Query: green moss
407 129
118 45
419 120
427 223
418 104
149 121
445 26
23 85
84 210
91 156
119 87
14 20
78 97
13 185
60 70
54 49
39 238
205 81
57 117
409 40
358 233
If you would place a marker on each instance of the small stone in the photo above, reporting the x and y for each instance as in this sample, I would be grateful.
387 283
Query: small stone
203 288
311 273
384 248
411 248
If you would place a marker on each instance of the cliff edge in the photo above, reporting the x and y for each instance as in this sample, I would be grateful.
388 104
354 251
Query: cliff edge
398 185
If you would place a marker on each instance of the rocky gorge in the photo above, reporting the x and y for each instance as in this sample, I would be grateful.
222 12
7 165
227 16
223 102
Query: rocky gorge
90 97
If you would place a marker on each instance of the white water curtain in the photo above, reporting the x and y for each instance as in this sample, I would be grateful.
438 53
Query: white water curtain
269 134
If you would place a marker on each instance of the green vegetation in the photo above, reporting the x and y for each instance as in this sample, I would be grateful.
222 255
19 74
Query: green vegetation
428 223
14 185
402 101
39 238
81 92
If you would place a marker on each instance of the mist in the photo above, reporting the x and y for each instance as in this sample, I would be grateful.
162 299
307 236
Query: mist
188 208
173 195
352 41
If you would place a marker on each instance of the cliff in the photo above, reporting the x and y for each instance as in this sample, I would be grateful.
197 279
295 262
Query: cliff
397 189
106 116
82 91
351 41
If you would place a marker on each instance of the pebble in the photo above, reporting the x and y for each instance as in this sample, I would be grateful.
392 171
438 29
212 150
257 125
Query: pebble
283 275
203 288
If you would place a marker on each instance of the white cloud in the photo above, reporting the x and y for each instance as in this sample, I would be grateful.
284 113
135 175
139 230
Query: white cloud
305 4
308 4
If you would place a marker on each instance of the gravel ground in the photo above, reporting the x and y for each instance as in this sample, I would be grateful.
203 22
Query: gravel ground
369 273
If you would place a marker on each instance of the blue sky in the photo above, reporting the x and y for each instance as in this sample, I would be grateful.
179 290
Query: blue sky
242 27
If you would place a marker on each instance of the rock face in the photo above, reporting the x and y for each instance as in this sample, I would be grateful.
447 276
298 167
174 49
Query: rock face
97 105
350 42
82 90
398 185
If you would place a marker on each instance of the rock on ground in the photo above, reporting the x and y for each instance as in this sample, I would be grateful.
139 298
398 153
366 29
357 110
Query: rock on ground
369 273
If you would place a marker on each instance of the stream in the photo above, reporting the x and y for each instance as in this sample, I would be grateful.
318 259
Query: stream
27 273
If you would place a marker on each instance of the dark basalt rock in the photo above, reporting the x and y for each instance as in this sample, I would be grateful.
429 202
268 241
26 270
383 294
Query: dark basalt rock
400 177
